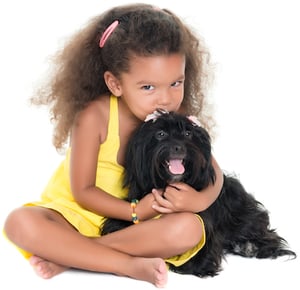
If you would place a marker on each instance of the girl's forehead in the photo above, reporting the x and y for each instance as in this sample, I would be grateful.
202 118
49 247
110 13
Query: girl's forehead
171 64
157 59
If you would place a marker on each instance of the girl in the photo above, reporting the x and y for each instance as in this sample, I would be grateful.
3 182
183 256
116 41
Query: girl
126 63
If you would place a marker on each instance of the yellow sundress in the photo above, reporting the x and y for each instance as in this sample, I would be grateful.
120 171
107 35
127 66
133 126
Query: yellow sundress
58 196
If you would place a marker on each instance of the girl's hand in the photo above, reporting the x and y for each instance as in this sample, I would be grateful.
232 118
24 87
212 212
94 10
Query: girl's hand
144 208
177 197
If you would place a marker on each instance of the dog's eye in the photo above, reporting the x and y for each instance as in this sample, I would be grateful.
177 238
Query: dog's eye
161 135
187 133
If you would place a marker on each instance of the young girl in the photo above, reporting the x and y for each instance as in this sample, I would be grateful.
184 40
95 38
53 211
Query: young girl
126 63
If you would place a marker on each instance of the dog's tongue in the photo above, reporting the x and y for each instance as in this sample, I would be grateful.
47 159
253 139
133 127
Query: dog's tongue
176 166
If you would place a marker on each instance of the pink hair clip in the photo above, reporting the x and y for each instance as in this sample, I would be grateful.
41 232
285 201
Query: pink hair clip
195 121
108 31
153 116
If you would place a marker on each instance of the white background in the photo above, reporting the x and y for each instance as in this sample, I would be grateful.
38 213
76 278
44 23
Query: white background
255 46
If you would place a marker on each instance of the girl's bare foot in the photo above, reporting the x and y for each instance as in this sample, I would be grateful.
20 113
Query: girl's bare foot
44 268
153 270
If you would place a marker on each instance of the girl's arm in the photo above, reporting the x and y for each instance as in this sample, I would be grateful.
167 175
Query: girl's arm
182 197
88 132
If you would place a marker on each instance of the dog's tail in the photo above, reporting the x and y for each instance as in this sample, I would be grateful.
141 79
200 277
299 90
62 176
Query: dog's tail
250 234
271 245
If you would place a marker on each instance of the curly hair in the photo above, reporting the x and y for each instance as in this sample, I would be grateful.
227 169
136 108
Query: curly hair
143 30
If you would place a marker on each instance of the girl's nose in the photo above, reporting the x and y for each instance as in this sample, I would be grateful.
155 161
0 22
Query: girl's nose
164 99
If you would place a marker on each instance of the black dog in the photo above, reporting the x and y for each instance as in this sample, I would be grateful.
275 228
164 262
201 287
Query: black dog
172 147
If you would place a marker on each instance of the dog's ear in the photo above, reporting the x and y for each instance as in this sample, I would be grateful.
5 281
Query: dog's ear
201 136
202 139
137 166
132 163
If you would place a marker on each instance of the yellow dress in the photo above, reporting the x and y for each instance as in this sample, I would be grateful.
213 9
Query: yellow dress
58 196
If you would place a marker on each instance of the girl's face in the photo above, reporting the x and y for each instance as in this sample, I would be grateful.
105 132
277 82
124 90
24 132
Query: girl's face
155 82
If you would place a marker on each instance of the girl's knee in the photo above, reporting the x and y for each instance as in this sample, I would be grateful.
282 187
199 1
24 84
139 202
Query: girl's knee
187 228
20 223
13 222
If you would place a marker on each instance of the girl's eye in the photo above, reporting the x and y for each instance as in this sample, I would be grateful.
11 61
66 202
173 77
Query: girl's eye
176 84
147 87
161 135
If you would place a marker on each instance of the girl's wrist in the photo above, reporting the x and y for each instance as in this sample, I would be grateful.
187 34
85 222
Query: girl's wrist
141 210
134 216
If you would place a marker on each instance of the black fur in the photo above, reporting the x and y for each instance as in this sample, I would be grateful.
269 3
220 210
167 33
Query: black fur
236 223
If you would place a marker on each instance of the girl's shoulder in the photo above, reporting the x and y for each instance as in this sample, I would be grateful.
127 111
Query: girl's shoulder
98 108
95 115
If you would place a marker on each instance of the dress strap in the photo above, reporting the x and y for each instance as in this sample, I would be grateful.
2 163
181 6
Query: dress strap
113 126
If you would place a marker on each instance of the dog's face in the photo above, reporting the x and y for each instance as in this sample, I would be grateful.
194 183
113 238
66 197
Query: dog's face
166 149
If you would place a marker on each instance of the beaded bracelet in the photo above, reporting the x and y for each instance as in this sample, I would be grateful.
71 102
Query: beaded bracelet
134 217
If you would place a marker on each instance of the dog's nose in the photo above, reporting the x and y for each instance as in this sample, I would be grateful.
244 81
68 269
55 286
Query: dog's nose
178 149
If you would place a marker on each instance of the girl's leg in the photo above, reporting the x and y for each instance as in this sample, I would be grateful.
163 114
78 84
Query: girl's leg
168 236
47 234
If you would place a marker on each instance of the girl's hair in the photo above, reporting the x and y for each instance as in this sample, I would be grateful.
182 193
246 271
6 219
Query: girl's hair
143 30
